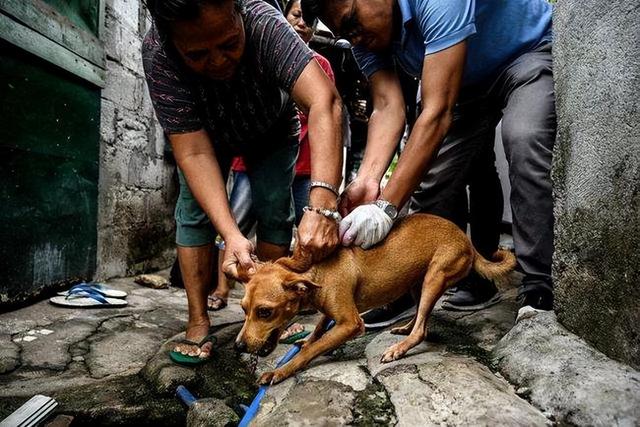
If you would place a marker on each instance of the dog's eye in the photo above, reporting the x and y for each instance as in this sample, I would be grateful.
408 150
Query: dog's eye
264 313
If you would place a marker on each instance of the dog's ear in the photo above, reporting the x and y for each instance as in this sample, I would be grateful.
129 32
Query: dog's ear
300 285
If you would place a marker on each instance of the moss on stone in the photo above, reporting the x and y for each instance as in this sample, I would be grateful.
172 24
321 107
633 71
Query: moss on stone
373 407
120 401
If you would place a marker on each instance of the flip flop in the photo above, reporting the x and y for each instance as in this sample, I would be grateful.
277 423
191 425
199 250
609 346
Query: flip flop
97 288
186 360
87 299
215 298
291 339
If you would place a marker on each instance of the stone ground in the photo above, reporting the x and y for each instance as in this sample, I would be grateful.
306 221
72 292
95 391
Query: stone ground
109 367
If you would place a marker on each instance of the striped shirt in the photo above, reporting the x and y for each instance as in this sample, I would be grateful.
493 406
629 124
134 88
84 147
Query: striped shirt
238 111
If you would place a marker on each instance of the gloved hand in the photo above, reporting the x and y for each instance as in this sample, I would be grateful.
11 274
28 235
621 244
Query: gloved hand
365 226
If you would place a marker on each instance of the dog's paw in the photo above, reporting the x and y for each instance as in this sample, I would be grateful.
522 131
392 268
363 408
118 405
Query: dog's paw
273 377
266 378
394 352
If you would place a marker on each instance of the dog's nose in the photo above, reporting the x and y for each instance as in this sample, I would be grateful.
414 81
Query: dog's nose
240 346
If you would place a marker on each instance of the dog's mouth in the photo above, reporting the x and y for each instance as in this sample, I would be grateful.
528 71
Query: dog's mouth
270 344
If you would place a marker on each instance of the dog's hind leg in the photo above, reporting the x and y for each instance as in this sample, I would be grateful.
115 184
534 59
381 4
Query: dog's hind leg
440 275
405 329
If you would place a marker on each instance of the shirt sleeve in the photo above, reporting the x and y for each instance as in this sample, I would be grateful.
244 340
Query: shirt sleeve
281 53
370 62
444 23
172 97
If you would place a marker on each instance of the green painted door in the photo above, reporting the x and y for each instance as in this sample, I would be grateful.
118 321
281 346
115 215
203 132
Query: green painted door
49 150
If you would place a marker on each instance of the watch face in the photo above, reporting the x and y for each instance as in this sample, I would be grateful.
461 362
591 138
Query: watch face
391 211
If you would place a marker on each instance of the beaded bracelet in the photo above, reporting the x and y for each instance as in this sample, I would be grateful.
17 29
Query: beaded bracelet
328 213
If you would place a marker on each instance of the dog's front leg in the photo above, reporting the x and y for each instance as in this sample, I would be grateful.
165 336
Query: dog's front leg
343 330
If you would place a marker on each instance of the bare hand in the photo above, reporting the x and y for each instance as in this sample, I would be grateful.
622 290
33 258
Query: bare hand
359 192
237 262
317 236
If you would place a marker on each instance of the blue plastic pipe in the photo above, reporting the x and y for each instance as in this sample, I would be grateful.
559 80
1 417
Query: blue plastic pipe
255 404
185 395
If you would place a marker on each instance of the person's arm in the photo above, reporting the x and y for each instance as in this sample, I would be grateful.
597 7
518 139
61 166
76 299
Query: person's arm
319 99
441 79
314 93
385 129
196 157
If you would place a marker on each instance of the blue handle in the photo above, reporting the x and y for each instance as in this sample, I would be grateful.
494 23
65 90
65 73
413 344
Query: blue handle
185 395
255 404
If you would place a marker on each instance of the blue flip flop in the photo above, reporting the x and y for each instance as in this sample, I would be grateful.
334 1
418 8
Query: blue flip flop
86 299
97 288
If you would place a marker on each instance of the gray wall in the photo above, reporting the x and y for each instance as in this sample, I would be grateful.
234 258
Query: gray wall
597 173
135 220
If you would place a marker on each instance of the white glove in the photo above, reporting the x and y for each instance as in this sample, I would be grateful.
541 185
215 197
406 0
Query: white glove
365 226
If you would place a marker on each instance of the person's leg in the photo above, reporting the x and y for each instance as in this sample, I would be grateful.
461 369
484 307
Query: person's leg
195 266
485 215
528 134
271 175
485 201
240 202
194 238
442 192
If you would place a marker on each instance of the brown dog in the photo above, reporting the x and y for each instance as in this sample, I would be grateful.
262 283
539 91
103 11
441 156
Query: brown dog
420 248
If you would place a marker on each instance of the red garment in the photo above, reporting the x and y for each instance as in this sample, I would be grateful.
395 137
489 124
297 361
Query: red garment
303 165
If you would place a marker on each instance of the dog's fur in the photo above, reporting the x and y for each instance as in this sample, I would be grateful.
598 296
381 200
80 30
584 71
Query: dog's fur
421 248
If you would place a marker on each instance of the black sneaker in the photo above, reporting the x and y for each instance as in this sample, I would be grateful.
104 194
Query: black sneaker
472 293
387 315
540 299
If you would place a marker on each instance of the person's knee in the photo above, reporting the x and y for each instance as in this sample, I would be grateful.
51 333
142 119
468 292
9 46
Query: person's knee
526 145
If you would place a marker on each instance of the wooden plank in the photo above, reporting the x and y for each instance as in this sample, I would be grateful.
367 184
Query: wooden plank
37 44
47 21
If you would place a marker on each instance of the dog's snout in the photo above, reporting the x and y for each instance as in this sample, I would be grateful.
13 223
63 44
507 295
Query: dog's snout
240 346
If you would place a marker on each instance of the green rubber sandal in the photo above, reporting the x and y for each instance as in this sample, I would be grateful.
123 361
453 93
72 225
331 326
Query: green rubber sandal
294 337
291 339
186 360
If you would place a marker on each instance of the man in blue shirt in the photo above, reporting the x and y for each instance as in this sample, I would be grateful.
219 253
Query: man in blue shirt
479 62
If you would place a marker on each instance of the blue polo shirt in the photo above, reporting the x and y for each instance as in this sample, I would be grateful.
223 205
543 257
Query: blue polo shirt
497 31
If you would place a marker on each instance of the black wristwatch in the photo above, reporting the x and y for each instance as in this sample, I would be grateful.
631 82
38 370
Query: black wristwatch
388 208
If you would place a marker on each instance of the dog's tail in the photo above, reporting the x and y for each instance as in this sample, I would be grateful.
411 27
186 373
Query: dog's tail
502 263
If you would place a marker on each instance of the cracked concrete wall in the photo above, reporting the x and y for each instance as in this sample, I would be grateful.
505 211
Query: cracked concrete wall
137 189
596 173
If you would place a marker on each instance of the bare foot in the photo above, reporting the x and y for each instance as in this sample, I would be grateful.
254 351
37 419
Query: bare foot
196 333
293 329
216 302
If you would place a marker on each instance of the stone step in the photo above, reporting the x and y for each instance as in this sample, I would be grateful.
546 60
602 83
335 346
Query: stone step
564 376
